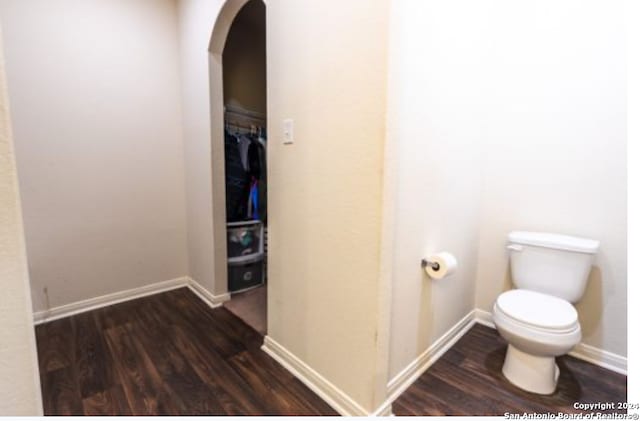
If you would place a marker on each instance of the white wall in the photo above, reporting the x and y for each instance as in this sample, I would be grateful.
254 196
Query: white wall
95 99
196 21
19 384
436 131
326 69
556 139
506 115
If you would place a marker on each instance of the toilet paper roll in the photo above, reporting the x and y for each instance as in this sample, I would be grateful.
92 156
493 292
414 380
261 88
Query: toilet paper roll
446 265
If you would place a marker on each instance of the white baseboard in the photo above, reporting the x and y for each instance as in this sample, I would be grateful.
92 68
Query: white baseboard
600 357
383 410
582 351
326 390
78 307
212 301
417 367
484 318
107 300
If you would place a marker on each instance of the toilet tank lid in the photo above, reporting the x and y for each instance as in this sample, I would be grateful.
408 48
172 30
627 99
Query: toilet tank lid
554 241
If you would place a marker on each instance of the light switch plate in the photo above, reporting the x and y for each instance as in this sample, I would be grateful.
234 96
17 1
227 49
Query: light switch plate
287 131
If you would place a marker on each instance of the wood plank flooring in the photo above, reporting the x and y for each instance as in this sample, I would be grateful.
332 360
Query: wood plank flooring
468 380
170 354
167 354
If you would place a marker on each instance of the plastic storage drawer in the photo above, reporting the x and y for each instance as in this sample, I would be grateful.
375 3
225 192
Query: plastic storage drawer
244 239
246 273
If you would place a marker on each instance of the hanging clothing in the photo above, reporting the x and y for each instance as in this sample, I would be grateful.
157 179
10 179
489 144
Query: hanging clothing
254 158
237 180
246 177
262 180
244 143
253 203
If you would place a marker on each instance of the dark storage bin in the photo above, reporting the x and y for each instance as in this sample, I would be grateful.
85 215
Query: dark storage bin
244 239
245 273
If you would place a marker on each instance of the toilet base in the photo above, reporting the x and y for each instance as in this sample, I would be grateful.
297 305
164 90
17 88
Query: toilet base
530 372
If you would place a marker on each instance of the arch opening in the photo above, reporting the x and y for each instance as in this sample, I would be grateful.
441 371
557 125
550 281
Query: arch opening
225 34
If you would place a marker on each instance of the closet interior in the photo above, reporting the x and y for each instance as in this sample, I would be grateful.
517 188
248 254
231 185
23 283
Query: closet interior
245 145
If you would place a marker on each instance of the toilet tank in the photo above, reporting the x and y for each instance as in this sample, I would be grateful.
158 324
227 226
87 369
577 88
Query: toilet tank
553 264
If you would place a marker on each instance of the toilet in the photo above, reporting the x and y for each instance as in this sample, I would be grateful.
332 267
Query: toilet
537 319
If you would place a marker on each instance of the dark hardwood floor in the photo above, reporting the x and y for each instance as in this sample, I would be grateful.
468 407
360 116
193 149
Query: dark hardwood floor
171 354
164 354
468 380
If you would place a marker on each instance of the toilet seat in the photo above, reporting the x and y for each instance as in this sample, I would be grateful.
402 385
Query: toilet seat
537 311
538 328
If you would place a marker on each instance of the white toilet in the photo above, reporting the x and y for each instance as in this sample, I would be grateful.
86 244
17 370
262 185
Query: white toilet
537 319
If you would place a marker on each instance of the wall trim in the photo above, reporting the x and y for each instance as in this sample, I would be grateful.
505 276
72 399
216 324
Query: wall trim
485 318
326 390
212 300
582 351
82 306
384 410
401 381
600 357
417 367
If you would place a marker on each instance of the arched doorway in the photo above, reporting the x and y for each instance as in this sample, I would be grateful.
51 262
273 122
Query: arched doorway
224 36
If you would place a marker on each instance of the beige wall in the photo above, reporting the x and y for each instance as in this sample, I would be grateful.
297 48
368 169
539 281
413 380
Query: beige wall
244 60
196 19
495 133
19 384
327 314
326 69
95 99
556 139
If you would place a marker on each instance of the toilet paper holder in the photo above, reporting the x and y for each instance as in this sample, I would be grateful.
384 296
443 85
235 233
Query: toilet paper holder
433 265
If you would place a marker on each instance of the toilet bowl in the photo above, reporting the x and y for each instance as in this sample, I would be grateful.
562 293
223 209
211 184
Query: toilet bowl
537 319
538 328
